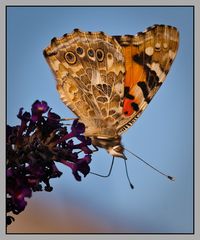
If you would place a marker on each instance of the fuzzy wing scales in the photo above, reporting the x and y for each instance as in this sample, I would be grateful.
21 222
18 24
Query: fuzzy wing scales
148 58
89 69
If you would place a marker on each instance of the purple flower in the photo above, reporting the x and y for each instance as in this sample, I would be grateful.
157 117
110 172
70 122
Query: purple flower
77 128
80 165
25 118
17 189
34 147
38 108
53 120
9 220
19 197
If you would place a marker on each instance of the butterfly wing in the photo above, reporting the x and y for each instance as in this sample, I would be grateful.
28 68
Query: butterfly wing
89 69
148 58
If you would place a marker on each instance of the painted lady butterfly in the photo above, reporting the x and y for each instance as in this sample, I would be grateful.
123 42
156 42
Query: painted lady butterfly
108 81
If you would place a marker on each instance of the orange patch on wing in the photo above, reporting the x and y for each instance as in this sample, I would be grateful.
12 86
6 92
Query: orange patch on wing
134 74
127 109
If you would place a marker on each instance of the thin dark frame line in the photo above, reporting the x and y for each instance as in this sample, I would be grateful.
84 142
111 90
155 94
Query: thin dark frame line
122 6
193 120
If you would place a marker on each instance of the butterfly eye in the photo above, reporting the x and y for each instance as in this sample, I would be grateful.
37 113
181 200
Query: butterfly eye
70 57
79 50
100 55
90 52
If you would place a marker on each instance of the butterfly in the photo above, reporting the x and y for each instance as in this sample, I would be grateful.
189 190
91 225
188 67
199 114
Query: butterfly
108 81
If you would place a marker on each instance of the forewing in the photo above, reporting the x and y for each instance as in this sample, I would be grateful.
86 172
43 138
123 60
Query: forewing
148 58
89 69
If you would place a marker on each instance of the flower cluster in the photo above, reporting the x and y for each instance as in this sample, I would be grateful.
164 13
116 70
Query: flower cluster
33 147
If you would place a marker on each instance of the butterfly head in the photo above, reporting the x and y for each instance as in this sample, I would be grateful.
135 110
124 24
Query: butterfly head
112 145
117 151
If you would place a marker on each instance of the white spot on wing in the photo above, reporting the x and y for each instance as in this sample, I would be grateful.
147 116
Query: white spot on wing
55 64
96 77
118 89
110 62
149 51
165 45
157 45
156 67
172 54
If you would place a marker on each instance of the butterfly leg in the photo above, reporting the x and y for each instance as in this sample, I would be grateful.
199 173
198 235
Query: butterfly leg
67 119
95 148
107 175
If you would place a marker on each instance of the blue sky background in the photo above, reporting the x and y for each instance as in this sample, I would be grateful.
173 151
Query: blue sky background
163 135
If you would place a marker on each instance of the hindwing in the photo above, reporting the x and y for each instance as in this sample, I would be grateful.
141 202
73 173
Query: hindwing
89 69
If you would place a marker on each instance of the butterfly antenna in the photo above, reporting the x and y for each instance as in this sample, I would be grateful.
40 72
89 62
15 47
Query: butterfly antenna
142 160
68 119
131 185
108 172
